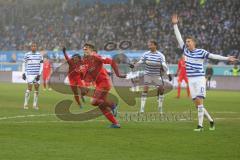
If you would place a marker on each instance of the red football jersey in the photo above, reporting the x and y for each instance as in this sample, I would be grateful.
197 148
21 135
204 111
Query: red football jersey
74 68
47 67
182 67
94 70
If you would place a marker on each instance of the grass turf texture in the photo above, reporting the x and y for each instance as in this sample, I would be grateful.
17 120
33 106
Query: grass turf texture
46 137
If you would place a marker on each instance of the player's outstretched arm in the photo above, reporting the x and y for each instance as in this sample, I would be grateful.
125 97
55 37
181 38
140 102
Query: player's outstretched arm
142 60
176 30
113 65
223 58
65 54
116 70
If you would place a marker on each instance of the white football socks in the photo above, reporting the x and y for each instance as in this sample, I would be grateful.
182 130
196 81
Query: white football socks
160 103
26 99
137 88
35 100
207 115
200 115
143 101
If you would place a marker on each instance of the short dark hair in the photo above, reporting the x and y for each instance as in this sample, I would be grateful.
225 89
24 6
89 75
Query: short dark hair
89 45
95 50
154 42
76 55
33 42
192 38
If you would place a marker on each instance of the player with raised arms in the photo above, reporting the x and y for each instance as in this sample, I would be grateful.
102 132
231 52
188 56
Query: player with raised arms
32 70
194 59
155 67
74 76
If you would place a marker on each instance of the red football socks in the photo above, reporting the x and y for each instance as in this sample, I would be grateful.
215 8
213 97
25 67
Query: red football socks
108 115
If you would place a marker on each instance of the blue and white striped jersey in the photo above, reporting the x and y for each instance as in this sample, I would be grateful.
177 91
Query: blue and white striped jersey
153 62
33 63
194 61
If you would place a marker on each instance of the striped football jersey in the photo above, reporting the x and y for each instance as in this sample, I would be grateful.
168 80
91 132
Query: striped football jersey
33 63
194 61
151 59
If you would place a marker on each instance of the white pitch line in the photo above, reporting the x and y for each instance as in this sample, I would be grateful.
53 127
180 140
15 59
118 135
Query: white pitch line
167 113
96 120
232 118
223 112
219 119
26 116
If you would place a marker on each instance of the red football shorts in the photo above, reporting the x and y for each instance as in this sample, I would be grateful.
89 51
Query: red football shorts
75 81
181 78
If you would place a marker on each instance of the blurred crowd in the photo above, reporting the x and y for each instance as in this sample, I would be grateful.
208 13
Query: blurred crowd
214 23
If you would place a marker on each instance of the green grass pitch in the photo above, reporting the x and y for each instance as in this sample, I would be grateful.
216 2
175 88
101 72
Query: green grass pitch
30 134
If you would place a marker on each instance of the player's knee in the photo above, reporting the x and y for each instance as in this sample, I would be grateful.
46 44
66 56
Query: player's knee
161 90
161 93
95 102
36 89
198 101
145 90
84 91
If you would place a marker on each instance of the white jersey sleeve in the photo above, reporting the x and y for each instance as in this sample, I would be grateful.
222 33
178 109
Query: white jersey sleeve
165 66
41 65
218 57
142 59
178 35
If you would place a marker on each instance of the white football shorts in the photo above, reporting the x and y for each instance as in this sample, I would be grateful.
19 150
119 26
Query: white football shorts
152 80
32 79
197 86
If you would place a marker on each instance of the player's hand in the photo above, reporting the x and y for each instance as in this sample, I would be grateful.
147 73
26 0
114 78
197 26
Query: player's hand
37 78
84 91
110 73
174 18
131 65
232 59
170 77
161 70
24 76
64 49
122 76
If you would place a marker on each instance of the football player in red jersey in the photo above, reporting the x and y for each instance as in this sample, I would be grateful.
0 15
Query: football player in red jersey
181 73
74 76
47 70
94 72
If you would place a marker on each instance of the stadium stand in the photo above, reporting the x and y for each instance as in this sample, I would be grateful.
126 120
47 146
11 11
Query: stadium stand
54 23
